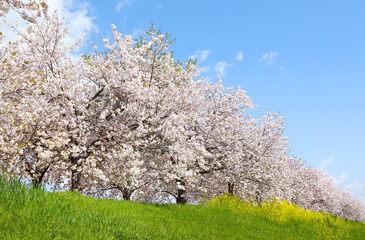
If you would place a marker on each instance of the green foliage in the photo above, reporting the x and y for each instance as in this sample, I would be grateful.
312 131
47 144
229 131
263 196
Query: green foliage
28 213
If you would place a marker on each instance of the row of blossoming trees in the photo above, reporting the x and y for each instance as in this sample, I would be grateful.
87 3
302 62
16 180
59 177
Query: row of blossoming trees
132 122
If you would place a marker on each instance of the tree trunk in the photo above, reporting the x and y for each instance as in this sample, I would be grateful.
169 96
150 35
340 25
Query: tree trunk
258 198
37 180
127 194
75 176
75 181
230 188
181 193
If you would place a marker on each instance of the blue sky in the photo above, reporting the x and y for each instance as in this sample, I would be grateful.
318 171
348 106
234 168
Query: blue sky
304 59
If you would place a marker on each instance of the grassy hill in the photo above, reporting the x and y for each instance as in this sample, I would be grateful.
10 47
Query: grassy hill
27 213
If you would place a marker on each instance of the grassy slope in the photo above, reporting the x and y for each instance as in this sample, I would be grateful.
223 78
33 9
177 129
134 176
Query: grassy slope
35 214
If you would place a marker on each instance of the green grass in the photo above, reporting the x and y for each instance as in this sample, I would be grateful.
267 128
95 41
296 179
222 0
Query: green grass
27 213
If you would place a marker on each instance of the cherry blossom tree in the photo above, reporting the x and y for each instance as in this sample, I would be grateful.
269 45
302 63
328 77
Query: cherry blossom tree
148 97
257 164
316 190
30 99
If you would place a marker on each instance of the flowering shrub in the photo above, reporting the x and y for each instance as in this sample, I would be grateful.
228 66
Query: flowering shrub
325 225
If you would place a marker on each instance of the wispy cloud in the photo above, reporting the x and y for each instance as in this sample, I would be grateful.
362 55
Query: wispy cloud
202 55
159 5
123 3
137 32
358 188
269 57
221 68
204 69
12 17
239 56
341 179
325 163
76 15
282 68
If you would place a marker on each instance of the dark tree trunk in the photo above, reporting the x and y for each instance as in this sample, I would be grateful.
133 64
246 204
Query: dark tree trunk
75 176
127 194
230 188
181 199
75 180
37 180
181 194
258 198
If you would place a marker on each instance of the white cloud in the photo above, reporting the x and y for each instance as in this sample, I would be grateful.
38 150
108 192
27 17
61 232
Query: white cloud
137 32
205 54
75 14
12 17
159 5
123 3
358 189
202 55
282 68
204 69
221 67
324 164
357 186
269 57
341 179
239 56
